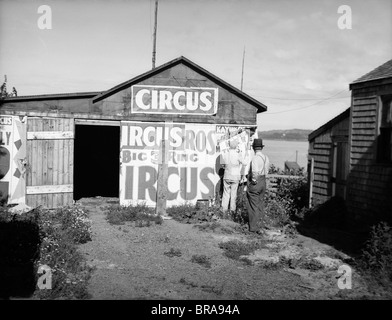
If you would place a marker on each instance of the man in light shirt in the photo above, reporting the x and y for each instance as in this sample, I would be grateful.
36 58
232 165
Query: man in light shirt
258 171
233 161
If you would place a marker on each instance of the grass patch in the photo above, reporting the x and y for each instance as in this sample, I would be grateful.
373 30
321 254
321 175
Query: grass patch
234 249
202 260
214 227
173 253
140 214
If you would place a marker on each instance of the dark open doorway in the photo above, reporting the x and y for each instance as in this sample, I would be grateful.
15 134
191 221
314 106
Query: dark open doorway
96 161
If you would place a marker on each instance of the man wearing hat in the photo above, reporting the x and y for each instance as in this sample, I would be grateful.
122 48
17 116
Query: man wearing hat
258 171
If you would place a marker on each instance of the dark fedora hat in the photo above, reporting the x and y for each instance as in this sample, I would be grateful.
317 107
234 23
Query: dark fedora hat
258 143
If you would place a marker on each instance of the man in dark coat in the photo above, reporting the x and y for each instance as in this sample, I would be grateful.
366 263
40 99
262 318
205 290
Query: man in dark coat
258 171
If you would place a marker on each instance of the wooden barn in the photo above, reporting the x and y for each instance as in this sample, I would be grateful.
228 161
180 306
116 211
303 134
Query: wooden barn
174 119
351 155
328 153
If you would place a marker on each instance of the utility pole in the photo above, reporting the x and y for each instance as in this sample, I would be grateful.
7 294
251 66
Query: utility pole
242 75
155 35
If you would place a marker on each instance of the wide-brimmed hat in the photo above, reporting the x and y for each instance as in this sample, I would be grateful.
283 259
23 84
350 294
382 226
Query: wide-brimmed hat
258 143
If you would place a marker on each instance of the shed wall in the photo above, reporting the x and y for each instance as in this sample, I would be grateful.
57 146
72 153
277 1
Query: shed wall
370 183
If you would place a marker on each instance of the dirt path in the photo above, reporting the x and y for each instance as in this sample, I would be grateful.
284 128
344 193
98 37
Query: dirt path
131 264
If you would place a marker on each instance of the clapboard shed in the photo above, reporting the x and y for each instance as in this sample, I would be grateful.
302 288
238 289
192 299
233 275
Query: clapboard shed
61 147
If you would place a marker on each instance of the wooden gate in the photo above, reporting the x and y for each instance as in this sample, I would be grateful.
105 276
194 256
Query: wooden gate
50 152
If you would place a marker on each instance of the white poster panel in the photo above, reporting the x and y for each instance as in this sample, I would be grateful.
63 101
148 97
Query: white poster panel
174 100
241 134
13 159
192 157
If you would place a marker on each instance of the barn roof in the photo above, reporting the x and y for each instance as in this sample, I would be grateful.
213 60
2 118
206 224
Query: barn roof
381 72
291 165
99 95
55 96
182 60
345 114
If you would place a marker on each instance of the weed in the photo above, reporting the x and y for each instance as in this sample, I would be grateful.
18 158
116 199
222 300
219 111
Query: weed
234 249
202 260
270 265
188 283
189 213
303 262
141 214
247 261
213 227
376 257
173 253
212 289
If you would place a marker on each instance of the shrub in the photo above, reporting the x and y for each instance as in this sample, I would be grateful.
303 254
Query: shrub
377 253
293 192
289 200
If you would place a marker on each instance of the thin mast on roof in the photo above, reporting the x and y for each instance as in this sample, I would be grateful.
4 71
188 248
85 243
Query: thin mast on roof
155 35
242 75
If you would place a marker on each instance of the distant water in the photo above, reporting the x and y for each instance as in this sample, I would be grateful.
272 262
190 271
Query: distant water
279 151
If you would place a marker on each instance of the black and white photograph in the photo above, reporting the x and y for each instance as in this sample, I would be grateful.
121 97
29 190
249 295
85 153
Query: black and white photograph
196 157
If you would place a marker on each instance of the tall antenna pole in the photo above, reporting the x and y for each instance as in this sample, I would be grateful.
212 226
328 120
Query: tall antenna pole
155 35
242 75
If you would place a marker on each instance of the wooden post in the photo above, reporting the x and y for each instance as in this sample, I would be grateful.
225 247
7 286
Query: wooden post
242 73
162 180
162 188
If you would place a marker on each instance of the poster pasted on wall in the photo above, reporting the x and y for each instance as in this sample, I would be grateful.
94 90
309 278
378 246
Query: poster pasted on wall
12 158
193 160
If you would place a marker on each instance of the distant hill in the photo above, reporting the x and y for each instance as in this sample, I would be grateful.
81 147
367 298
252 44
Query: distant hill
292 134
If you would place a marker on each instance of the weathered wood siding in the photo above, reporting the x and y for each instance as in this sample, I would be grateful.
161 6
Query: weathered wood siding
370 183
50 153
321 150
231 108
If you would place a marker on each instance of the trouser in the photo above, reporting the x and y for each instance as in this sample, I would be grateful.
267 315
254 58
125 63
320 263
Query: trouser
255 203
229 194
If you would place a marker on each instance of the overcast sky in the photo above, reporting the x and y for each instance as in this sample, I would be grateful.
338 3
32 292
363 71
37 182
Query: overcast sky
298 61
